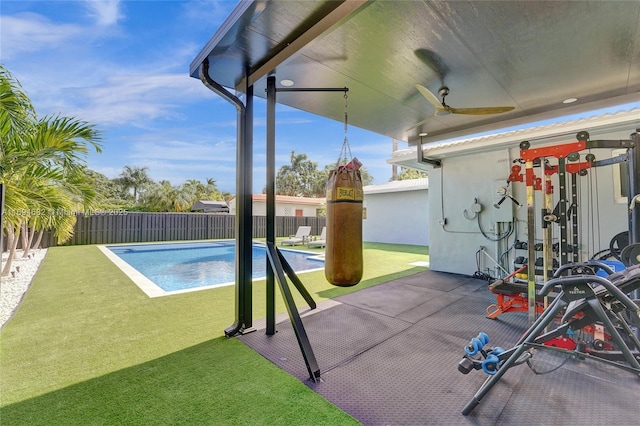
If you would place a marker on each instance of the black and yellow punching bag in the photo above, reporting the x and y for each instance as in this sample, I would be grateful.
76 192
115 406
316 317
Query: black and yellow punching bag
343 255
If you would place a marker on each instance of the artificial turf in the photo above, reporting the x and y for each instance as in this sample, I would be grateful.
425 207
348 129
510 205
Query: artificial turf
86 346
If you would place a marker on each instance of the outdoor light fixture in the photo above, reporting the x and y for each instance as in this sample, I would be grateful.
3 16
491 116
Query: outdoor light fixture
569 100
286 83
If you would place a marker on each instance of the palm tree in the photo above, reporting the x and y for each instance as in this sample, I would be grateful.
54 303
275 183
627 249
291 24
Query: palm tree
40 168
134 177
299 178
110 193
16 111
159 197
202 191
17 117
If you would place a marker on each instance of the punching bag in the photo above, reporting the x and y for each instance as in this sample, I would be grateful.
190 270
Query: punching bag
343 253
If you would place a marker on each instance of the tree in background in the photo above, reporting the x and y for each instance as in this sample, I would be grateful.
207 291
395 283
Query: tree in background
407 173
110 194
164 197
41 168
133 177
303 179
207 190
298 179
160 197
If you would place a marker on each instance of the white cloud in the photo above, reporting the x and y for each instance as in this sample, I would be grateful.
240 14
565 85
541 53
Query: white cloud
175 150
262 121
208 11
109 171
179 172
30 32
105 12
132 99
73 76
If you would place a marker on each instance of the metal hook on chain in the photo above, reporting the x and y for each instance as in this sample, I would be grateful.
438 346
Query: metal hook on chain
346 116
345 144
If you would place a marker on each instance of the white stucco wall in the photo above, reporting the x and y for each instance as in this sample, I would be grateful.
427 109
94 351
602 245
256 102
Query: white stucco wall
453 189
397 217
466 178
260 209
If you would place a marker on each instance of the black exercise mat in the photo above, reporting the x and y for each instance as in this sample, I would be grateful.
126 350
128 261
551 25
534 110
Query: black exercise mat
388 355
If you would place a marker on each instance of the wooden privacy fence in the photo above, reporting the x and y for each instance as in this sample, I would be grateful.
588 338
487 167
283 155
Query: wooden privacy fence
126 227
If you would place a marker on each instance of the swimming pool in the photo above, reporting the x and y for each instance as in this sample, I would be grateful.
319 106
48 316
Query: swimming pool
160 269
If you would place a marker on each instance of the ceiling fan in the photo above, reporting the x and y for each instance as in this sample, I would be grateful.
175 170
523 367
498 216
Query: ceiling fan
442 108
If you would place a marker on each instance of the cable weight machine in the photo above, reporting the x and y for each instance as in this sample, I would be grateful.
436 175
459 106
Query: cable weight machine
601 305
565 213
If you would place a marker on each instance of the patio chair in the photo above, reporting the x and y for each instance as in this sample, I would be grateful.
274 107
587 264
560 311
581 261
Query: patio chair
301 237
321 241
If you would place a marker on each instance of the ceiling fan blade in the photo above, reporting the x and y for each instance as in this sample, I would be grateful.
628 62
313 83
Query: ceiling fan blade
480 110
433 99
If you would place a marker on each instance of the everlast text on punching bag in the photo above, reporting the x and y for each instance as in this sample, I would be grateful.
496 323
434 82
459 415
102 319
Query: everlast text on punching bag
343 254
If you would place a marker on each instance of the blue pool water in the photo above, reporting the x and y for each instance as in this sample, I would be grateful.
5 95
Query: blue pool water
182 266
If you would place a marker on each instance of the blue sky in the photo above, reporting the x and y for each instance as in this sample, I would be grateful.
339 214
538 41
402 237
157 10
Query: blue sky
123 66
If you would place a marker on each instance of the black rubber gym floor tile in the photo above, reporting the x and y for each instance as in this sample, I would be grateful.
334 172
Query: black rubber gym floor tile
466 317
580 392
393 299
409 379
477 288
438 280
402 370
336 335
437 303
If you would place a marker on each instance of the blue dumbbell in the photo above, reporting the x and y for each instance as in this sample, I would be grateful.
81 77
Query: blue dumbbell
497 350
483 337
473 347
476 344
490 365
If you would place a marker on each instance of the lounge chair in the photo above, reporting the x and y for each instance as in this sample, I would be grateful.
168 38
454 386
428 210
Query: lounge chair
321 241
301 237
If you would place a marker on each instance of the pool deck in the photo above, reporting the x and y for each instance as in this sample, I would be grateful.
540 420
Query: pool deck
388 355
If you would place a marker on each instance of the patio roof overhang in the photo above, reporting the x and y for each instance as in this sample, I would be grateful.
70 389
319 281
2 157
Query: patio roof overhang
530 55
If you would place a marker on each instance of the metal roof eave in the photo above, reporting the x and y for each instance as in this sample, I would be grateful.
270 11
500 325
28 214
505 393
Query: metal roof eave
398 186
336 13
220 34
550 133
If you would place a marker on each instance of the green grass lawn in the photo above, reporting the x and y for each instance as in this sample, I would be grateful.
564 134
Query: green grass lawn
86 346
